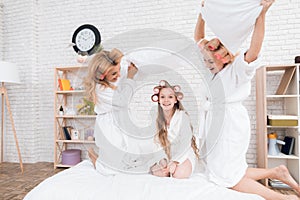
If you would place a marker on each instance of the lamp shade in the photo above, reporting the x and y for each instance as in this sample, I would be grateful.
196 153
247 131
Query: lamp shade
9 72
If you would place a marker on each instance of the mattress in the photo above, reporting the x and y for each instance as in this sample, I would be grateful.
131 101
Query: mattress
83 182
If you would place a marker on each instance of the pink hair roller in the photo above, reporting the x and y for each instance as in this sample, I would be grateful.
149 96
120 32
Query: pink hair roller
102 76
210 47
162 83
154 98
179 97
225 60
156 90
176 88
218 56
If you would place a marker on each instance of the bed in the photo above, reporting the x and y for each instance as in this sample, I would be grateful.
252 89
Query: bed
85 183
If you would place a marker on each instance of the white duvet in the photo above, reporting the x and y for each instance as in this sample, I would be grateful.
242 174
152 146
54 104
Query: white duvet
85 183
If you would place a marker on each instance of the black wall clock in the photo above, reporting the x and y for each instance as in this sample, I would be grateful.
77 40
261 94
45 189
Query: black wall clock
86 39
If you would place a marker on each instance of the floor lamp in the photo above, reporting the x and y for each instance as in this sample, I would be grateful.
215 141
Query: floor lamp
8 74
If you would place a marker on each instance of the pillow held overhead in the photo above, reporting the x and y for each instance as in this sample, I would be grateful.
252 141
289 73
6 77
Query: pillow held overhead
231 21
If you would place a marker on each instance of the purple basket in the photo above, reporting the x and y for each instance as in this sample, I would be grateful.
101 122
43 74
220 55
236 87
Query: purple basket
71 157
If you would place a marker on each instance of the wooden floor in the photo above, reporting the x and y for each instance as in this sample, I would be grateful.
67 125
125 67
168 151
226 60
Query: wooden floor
14 185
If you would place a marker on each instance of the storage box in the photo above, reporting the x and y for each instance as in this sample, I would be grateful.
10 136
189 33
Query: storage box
71 157
282 120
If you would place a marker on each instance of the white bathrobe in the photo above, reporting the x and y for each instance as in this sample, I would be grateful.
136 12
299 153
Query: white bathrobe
227 122
108 136
123 147
180 134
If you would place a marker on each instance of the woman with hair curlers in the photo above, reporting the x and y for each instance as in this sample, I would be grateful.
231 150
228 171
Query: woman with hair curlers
226 159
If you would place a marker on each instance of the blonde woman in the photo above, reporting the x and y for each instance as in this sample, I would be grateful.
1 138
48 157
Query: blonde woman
109 84
226 159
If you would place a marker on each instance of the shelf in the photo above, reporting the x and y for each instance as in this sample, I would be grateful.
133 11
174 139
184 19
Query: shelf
77 141
279 67
282 126
283 81
76 116
69 91
80 124
282 96
70 68
283 156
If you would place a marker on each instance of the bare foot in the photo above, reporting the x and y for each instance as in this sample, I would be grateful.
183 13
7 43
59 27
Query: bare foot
93 156
157 170
172 166
163 163
283 174
160 169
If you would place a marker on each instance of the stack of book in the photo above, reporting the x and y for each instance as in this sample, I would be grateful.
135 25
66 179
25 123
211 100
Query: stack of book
278 184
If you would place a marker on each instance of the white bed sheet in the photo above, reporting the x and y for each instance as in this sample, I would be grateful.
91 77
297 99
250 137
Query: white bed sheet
85 183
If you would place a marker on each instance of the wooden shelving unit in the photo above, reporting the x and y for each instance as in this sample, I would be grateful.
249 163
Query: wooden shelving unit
66 98
274 97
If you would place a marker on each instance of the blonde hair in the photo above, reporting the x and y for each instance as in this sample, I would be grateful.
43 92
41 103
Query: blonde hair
161 126
100 64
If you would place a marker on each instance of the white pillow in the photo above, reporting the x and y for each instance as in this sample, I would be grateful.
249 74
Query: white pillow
152 60
231 20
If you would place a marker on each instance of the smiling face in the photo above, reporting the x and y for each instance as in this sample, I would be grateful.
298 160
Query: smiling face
167 99
213 64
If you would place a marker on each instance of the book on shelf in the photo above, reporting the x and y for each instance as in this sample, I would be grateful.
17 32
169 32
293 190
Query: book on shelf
64 84
278 184
288 147
66 130
285 80
282 120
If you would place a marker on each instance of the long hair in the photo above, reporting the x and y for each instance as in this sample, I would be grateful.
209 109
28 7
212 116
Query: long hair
100 64
161 125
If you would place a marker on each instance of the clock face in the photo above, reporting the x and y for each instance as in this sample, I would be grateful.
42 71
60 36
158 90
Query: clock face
86 39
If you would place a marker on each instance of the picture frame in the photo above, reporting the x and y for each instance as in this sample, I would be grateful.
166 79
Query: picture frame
75 134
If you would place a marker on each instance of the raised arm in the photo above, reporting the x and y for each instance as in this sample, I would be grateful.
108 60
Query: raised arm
199 32
258 33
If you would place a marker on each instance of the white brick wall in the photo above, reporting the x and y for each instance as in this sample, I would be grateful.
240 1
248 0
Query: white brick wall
37 34
20 46
1 29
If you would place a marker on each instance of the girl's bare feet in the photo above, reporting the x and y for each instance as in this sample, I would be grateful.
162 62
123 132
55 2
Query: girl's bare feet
93 156
282 173
160 169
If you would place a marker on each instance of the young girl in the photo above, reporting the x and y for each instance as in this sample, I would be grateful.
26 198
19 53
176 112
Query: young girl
226 158
109 85
174 133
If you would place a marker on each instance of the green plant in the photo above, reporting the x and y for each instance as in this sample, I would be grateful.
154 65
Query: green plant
86 107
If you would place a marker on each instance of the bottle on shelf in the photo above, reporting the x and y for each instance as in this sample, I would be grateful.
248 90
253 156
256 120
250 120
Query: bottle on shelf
273 149
61 111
